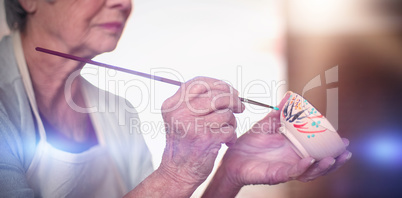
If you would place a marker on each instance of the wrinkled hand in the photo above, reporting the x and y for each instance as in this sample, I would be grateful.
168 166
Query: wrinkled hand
198 119
264 156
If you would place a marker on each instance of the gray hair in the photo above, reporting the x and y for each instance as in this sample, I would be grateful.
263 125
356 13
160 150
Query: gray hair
16 16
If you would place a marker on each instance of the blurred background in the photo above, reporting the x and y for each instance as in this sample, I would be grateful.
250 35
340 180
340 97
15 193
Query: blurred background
364 38
344 56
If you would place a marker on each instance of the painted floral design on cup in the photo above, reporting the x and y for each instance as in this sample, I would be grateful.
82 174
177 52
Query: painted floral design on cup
304 117
309 131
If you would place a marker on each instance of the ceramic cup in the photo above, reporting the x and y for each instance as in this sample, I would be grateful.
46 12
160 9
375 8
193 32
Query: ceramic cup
308 130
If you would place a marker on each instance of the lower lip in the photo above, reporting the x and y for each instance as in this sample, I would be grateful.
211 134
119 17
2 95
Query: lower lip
112 27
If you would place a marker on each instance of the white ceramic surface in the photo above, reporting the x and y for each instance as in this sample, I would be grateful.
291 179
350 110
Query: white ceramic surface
308 130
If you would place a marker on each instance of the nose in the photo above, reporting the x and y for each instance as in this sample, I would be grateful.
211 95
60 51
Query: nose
124 5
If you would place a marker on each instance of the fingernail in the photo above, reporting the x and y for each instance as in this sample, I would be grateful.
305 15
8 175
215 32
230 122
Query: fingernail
288 92
312 161
349 156
348 142
333 162
281 130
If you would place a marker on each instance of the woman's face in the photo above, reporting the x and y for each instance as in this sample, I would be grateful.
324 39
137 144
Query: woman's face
82 27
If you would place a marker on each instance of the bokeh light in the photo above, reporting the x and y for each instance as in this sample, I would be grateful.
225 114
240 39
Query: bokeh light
383 150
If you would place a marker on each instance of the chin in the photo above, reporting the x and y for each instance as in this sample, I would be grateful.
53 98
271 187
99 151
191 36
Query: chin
110 43
102 47
97 44
108 48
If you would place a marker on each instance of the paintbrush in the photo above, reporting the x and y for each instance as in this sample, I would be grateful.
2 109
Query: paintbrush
153 77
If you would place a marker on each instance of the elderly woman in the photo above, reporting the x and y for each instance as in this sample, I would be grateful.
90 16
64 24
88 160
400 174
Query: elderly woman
51 149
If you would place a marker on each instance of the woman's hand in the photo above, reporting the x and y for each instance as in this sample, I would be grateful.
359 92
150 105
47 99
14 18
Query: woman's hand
264 156
198 119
